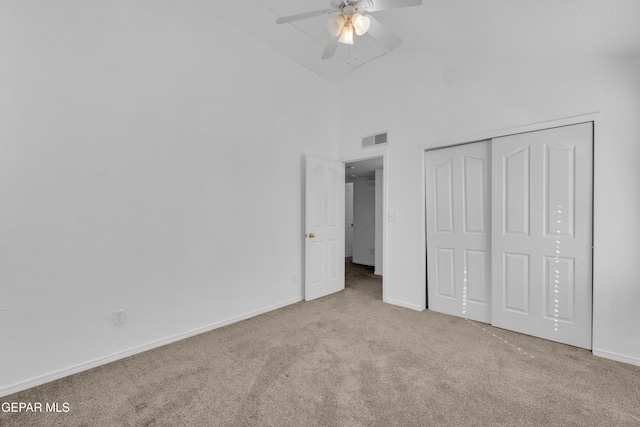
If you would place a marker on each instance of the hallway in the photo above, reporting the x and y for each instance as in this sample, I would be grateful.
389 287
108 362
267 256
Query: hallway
360 278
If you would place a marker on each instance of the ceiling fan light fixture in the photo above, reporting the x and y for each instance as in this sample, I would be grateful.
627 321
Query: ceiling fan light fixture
335 25
361 23
349 18
346 36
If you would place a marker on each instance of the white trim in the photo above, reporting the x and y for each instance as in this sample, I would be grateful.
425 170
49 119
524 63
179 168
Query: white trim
385 227
404 304
567 121
23 385
615 356
370 154
423 231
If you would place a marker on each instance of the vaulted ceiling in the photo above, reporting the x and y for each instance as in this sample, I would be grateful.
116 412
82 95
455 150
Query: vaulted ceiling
444 27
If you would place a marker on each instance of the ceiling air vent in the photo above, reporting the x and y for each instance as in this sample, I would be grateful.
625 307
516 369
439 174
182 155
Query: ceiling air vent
378 139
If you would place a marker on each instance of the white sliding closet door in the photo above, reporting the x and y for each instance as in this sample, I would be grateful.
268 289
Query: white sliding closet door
541 233
458 230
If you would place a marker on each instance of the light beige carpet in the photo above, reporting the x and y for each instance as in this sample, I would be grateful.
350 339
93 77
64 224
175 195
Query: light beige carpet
349 360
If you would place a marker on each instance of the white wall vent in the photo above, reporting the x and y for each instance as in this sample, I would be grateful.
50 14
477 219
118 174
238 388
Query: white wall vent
378 139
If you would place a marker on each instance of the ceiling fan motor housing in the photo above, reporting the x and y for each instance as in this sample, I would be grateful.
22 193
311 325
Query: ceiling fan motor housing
357 4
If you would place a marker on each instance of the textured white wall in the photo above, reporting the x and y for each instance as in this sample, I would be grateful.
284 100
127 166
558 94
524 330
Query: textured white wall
364 225
425 100
150 158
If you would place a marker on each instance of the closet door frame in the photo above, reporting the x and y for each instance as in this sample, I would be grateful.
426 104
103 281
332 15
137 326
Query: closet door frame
567 121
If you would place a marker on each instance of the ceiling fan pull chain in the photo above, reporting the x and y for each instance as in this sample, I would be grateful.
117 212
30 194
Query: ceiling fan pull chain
355 49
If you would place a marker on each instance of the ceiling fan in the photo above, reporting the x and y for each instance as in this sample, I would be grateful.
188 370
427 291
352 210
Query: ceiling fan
349 18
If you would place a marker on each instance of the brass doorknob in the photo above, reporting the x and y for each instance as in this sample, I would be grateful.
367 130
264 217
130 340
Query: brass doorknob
311 235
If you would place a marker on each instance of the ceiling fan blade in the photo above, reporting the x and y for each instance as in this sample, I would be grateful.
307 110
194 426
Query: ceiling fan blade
377 5
385 38
301 16
332 45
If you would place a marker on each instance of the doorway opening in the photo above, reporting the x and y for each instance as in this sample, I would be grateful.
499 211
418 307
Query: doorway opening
364 213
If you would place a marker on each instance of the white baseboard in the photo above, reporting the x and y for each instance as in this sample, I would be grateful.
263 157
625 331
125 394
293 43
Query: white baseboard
43 379
617 357
377 273
404 304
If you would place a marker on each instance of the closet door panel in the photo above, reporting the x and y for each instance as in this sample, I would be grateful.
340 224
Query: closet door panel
458 230
542 233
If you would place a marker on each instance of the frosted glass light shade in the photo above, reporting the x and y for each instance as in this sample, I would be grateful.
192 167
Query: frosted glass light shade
347 35
360 23
335 25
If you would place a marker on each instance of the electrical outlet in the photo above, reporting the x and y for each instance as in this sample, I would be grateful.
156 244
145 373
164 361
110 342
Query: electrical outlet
119 316
294 279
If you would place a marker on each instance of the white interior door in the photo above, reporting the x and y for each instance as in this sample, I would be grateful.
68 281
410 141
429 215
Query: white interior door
541 239
458 230
324 223
348 219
